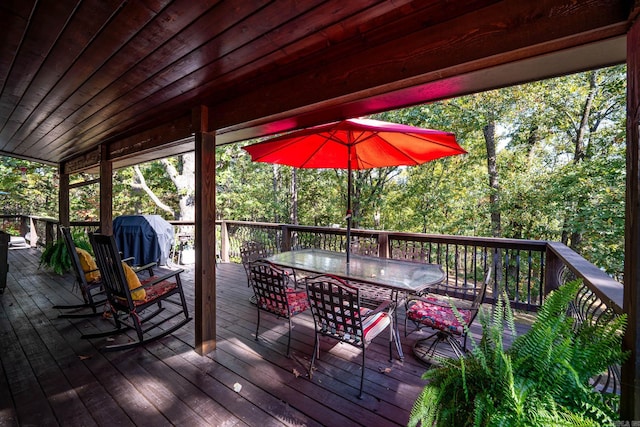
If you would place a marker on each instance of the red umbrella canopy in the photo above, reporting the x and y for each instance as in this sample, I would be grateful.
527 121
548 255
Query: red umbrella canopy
358 143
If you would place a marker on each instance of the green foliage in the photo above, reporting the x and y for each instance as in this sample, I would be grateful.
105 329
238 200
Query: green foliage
542 380
545 192
27 188
56 256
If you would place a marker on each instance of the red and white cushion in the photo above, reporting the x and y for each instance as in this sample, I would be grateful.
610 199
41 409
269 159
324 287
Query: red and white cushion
437 315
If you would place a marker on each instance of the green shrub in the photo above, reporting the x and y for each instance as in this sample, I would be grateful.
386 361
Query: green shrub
56 256
542 380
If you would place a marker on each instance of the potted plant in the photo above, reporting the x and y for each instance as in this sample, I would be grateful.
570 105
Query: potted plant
541 380
56 255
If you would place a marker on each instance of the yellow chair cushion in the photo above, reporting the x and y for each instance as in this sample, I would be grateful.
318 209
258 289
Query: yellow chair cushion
89 266
137 291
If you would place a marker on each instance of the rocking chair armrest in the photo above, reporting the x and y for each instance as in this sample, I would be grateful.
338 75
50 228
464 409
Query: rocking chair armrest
162 278
149 267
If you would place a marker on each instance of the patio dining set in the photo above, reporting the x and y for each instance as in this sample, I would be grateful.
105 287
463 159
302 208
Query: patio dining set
355 301
351 301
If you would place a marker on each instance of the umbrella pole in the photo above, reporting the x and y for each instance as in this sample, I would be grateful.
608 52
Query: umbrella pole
349 185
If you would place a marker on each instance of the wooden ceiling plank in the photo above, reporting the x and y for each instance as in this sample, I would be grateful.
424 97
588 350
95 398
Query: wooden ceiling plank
450 46
112 81
42 32
128 20
331 53
16 15
233 37
470 38
62 101
86 22
277 21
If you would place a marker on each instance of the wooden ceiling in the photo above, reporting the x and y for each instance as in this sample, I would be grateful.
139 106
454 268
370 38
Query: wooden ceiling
75 74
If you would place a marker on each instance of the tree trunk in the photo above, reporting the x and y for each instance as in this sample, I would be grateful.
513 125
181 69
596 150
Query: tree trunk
494 198
580 150
294 197
274 184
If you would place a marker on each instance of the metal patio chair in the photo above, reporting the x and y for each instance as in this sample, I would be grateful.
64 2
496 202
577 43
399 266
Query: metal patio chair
339 313
436 312
274 294
133 303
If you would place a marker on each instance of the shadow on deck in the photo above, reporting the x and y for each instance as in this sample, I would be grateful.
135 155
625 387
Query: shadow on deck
49 376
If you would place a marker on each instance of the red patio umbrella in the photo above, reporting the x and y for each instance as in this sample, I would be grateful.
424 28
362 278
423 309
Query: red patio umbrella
356 144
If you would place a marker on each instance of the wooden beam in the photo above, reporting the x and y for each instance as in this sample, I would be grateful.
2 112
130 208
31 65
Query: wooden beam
495 35
87 160
152 139
205 238
63 196
106 193
84 183
630 377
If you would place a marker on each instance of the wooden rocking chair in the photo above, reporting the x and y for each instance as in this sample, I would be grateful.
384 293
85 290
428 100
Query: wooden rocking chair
88 281
133 304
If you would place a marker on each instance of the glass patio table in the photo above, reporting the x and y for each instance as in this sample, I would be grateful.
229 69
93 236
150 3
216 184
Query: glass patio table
398 275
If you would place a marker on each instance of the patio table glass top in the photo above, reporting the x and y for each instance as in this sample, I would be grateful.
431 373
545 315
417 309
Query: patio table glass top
391 273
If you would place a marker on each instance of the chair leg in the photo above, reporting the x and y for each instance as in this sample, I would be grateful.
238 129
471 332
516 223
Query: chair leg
427 352
362 371
258 325
392 339
289 339
316 354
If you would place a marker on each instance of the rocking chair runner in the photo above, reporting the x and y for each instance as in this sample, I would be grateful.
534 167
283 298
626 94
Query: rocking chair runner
339 313
129 306
89 282
435 312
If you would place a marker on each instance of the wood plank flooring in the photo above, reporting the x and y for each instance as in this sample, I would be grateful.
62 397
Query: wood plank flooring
49 376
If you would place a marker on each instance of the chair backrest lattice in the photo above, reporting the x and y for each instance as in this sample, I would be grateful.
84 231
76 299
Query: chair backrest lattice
251 251
110 265
411 251
270 287
335 307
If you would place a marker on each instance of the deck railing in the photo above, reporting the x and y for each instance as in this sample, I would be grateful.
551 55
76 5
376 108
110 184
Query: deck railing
526 270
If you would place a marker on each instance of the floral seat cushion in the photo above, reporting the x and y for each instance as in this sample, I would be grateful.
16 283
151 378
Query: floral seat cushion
437 315
297 301
156 290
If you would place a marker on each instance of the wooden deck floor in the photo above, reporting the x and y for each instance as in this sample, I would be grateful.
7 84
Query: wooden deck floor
50 376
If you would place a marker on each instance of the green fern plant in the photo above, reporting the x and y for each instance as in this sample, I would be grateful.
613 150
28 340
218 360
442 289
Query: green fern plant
56 257
542 380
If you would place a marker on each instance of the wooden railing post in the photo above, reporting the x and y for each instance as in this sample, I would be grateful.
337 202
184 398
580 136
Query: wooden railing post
383 245
552 272
286 238
24 225
224 242
50 237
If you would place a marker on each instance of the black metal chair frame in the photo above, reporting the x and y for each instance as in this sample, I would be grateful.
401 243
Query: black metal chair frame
426 351
335 306
270 285
128 313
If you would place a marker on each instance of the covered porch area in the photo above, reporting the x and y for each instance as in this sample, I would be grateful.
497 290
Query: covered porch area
53 377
